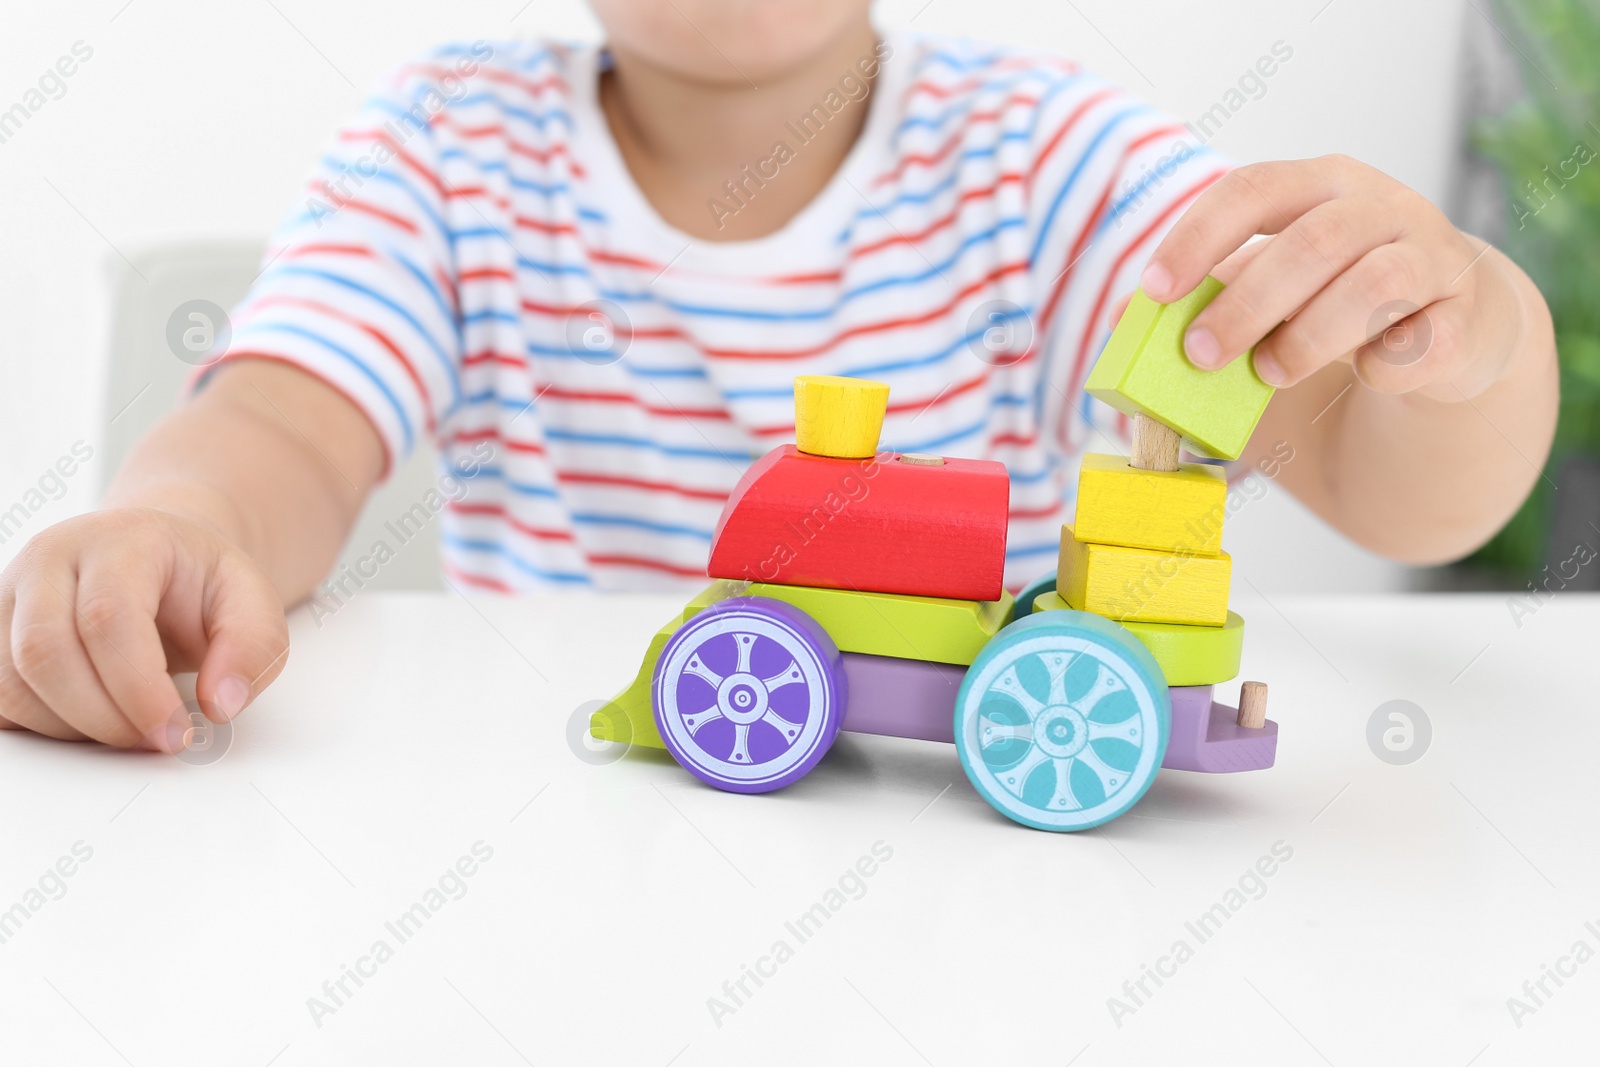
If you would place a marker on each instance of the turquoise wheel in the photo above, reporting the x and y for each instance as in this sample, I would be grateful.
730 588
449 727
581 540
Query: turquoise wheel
1031 592
1062 720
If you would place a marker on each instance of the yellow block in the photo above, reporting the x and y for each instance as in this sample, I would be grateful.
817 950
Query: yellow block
840 417
1166 510
1142 585
1187 655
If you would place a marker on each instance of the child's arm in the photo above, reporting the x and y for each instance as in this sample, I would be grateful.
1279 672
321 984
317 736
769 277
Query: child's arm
232 507
1444 430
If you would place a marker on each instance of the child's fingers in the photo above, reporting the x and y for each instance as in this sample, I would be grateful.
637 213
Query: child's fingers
1228 271
1418 350
118 596
247 640
1260 198
1225 271
1119 307
28 712
1351 310
20 706
50 657
1299 263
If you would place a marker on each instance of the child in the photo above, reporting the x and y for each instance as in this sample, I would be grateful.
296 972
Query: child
591 274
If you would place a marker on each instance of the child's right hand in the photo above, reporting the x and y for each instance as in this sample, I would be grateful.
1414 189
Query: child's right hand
99 609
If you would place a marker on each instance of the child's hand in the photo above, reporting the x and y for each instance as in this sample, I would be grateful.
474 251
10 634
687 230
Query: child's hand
98 610
1354 254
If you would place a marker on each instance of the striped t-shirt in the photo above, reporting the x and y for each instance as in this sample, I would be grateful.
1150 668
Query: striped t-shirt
473 264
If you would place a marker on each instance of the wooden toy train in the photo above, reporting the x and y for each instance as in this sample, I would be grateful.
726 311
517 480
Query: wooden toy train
861 590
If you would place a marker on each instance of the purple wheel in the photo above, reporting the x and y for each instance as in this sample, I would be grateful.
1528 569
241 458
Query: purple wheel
749 694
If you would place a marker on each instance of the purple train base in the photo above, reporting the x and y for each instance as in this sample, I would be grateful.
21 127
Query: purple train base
913 698
1206 738
902 697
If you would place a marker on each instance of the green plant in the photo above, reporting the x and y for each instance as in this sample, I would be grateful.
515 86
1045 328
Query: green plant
1547 148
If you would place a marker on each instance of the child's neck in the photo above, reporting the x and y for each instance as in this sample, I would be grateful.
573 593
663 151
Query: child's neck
683 139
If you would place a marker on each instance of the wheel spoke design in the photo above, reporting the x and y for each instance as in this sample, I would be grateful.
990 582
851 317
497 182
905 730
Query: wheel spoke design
993 732
775 698
1110 777
1057 663
700 718
1062 721
741 743
783 678
1105 683
788 730
1015 778
1063 799
1009 684
1129 730
697 667
746 643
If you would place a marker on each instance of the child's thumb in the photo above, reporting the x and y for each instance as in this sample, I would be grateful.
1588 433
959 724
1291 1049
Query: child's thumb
247 644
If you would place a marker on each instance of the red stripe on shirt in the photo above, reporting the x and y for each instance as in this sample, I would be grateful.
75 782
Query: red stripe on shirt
532 448
948 220
874 327
954 141
493 74
365 327
615 560
1104 295
478 580
584 478
296 251
926 86
498 511
1066 127
557 393
234 356
939 399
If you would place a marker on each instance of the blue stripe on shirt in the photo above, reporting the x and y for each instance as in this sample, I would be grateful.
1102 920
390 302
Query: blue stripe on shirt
632 366
520 488
933 444
1022 551
350 357
640 524
498 549
803 315
1156 176
1066 187
965 107
967 342
445 360
622 441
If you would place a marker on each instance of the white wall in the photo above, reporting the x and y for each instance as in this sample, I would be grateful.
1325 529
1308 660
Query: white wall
200 120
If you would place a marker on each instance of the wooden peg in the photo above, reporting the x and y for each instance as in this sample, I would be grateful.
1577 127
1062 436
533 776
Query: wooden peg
1252 705
1155 446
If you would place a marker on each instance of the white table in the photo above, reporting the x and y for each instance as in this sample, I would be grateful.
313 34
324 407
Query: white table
620 897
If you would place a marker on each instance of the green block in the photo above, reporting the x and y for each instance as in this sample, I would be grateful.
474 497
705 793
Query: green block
933 629
1187 655
1143 371
627 717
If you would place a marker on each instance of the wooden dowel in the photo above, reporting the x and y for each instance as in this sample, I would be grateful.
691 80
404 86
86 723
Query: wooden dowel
1252 705
1155 446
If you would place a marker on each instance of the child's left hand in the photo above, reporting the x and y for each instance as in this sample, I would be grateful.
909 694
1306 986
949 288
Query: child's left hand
1360 269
